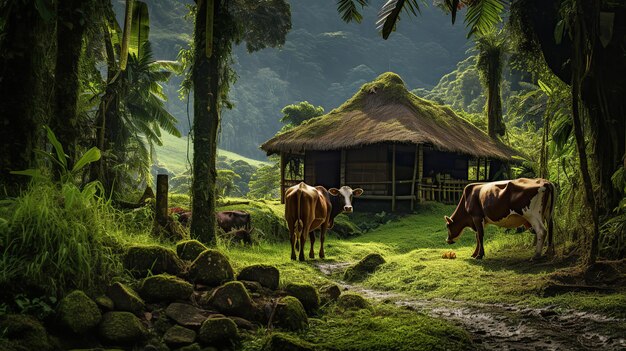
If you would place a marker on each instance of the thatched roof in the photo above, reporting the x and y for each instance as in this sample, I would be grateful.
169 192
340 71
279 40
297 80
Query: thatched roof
384 111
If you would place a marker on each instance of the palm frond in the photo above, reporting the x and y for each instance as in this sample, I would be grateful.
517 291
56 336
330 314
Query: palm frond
348 10
389 14
483 15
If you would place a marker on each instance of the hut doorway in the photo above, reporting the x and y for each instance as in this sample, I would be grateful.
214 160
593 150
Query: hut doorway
328 169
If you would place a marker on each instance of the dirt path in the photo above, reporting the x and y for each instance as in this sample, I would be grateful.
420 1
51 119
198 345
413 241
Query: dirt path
509 327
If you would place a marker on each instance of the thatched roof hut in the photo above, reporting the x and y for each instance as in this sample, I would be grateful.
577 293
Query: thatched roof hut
360 142
384 111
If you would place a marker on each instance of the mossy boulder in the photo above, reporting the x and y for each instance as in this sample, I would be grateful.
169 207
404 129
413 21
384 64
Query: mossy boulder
189 250
290 314
24 333
195 347
307 295
218 332
330 292
78 313
178 336
286 342
121 328
352 301
211 268
364 267
186 315
165 287
105 303
125 299
232 299
267 276
142 260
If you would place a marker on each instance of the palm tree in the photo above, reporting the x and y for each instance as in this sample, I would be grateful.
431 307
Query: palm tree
492 47
132 111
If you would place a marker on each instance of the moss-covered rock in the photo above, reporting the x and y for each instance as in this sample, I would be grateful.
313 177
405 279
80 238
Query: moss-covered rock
125 299
105 303
268 276
352 301
78 312
211 268
307 295
178 336
218 332
329 292
195 347
186 315
121 328
231 299
24 332
286 342
290 314
142 260
363 268
189 250
165 287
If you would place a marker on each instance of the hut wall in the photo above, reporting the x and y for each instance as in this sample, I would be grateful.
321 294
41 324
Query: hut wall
442 162
323 168
368 168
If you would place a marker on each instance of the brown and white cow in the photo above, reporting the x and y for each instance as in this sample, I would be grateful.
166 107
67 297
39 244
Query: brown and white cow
308 208
508 204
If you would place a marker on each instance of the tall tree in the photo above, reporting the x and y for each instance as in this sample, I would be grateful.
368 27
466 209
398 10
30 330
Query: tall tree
72 19
219 24
489 63
25 77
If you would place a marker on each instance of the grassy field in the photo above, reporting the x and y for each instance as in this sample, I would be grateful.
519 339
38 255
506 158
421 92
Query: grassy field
173 154
413 245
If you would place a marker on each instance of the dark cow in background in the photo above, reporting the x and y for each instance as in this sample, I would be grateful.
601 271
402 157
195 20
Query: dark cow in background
227 220
508 204
308 208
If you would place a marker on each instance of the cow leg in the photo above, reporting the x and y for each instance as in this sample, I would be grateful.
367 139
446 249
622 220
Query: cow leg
303 235
312 237
480 233
322 235
550 251
292 238
540 231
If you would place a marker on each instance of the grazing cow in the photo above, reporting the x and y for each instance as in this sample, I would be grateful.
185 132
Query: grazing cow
308 208
508 204
227 220
242 234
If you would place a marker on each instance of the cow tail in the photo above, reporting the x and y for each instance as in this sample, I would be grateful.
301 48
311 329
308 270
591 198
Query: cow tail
299 225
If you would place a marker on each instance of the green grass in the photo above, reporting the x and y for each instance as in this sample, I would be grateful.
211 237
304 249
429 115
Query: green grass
173 154
412 246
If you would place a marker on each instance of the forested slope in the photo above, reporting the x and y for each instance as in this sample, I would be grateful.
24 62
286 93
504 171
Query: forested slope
324 61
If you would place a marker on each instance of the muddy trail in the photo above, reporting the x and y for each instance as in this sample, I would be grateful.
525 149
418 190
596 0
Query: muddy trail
506 326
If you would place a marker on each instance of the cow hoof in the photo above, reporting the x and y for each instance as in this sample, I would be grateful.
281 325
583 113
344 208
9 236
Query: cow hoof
311 256
301 259
322 256
479 257
293 257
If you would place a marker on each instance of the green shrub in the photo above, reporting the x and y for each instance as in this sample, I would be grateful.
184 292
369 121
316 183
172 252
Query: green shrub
53 238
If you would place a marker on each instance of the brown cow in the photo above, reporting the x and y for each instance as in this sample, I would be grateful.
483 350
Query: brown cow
227 220
508 204
308 208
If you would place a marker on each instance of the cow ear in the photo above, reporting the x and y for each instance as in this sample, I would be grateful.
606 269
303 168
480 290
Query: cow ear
333 191
448 219
357 192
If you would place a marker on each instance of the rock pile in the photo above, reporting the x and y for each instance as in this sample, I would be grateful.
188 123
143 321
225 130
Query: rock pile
184 300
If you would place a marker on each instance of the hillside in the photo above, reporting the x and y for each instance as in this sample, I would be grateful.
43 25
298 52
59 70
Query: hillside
324 61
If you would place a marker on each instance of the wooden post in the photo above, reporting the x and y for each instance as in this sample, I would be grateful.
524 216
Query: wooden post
342 167
478 169
414 177
161 200
282 178
420 172
393 179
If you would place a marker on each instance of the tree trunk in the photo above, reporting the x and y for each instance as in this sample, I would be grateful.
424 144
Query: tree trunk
205 78
71 22
579 71
24 88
